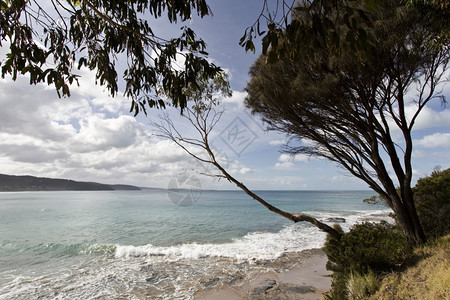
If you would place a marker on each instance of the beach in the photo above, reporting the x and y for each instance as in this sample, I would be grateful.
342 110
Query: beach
308 279
139 245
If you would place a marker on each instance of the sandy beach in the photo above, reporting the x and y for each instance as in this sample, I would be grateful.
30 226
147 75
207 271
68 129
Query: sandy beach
308 279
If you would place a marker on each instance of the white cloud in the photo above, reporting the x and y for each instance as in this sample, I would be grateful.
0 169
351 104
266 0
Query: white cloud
23 111
296 158
427 155
277 142
436 140
284 165
91 136
33 153
88 136
98 133
287 162
429 118
237 101
290 182
245 170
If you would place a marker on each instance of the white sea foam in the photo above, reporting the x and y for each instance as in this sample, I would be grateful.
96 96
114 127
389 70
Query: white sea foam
258 245
255 245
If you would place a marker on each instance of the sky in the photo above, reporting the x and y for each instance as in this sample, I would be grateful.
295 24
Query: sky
92 137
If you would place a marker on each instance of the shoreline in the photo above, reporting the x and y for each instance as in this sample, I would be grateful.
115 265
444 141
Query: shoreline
307 279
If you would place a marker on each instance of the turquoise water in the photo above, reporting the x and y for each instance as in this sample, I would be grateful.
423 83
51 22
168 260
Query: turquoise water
138 244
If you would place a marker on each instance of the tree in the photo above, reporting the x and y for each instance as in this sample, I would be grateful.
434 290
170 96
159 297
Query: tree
345 109
50 40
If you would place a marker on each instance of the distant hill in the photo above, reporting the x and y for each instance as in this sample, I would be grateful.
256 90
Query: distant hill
11 183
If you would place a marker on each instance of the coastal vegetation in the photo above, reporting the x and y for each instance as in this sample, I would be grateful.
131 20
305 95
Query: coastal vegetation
424 274
432 198
428 278
375 261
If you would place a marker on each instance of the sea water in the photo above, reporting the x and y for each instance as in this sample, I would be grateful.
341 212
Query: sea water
140 245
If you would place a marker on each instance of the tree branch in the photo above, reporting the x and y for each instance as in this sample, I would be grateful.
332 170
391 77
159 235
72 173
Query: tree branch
199 120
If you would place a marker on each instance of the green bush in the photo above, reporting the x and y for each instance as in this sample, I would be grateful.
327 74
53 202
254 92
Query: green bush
432 200
367 247
375 246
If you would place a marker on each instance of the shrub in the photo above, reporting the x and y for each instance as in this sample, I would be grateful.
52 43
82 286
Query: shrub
367 247
376 246
432 200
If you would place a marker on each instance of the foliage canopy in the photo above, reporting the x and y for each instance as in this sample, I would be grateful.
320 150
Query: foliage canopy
50 40
307 29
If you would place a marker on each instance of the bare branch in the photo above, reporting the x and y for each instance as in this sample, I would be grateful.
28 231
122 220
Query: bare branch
203 121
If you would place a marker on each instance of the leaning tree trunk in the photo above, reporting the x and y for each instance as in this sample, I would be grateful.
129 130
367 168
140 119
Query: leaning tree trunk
415 230
293 217
407 218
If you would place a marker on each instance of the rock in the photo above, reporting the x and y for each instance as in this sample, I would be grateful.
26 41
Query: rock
270 284
335 220
210 282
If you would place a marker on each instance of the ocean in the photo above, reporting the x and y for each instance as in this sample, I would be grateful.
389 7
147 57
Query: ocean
149 245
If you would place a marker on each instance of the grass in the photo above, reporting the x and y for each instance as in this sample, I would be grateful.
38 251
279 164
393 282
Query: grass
359 287
427 279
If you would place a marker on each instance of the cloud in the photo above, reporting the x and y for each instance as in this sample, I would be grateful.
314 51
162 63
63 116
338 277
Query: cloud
235 102
295 182
237 97
286 161
98 133
25 110
88 136
296 158
436 140
245 170
277 142
284 165
434 148
426 155
33 153
429 118
91 136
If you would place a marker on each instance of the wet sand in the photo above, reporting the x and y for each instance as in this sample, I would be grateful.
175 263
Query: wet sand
307 279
